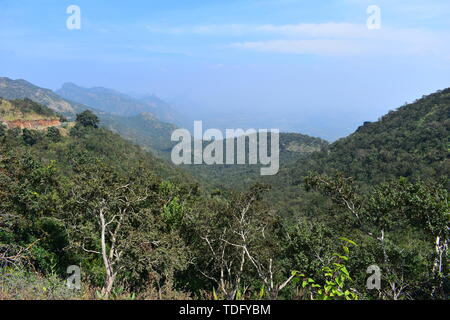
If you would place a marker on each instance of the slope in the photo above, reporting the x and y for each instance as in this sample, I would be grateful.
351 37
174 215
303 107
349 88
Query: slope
144 128
412 142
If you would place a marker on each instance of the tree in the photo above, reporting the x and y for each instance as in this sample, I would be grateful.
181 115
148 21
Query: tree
87 119
30 205
29 137
426 208
389 217
54 134
118 216
104 201
237 239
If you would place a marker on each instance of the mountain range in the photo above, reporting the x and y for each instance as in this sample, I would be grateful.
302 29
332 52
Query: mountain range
140 124
148 121
411 141
117 103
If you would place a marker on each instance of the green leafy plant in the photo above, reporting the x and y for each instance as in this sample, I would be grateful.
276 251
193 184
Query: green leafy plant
337 279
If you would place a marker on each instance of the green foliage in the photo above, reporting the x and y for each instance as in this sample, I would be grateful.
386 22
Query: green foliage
172 213
29 137
48 187
293 146
2 130
24 108
404 227
165 235
337 281
87 119
54 134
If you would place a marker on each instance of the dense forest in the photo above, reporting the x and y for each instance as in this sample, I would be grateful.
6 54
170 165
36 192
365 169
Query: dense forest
141 228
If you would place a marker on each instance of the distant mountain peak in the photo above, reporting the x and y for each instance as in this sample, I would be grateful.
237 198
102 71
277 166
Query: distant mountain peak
148 116
115 102
70 85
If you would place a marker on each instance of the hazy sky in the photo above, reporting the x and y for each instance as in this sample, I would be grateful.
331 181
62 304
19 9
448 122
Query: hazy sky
307 66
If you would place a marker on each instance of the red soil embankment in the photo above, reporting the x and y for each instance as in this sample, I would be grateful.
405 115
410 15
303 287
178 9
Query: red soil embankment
33 124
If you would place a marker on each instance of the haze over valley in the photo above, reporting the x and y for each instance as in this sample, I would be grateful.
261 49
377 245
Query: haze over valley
239 150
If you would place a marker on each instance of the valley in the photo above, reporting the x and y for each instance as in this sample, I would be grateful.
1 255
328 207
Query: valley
85 185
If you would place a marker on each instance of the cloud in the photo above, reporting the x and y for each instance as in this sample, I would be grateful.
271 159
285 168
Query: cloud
351 39
303 29
319 46
331 38
341 47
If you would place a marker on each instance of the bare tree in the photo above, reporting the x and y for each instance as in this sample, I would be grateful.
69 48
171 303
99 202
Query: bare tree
238 246
104 208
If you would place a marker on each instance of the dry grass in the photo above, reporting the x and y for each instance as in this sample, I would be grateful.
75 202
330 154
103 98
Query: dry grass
16 284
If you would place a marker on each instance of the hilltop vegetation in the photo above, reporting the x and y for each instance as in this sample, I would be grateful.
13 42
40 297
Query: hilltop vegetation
21 89
411 142
24 110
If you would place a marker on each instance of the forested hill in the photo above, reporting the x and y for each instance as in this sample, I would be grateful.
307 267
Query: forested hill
21 89
412 141
13 110
65 142
293 146
82 196
144 128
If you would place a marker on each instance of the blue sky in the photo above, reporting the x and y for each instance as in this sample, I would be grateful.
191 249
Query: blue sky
304 66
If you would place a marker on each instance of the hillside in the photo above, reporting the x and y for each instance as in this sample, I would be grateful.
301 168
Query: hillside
27 114
141 228
26 109
21 89
293 146
144 128
163 110
101 143
412 141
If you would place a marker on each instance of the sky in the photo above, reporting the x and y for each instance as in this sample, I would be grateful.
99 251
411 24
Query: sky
312 67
